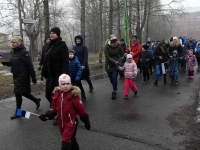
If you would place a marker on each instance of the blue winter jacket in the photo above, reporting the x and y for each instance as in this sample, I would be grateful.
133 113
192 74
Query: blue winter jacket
174 64
151 50
193 44
75 68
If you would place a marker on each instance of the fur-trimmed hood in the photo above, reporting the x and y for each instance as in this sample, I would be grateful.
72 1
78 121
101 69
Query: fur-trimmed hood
74 90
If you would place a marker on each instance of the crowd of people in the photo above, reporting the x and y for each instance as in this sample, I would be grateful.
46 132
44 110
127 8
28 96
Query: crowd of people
159 57
64 69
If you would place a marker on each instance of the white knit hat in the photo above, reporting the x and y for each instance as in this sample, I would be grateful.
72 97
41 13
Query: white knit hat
175 38
129 56
64 78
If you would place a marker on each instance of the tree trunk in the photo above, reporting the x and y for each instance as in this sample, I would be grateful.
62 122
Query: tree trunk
111 17
118 20
101 35
83 19
46 17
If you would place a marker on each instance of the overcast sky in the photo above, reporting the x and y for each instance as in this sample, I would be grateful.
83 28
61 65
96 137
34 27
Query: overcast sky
187 3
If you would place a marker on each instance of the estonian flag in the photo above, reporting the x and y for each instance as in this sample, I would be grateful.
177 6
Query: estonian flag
23 113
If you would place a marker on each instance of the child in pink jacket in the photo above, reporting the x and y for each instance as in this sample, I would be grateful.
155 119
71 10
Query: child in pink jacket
130 73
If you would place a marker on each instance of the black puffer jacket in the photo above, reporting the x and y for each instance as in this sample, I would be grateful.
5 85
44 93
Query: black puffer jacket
22 69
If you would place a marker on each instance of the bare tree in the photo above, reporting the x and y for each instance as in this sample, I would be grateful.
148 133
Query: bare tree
46 17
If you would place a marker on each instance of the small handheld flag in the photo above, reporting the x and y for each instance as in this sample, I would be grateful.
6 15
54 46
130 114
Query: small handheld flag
25 114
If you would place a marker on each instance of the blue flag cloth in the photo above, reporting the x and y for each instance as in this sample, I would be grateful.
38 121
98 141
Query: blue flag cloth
19 112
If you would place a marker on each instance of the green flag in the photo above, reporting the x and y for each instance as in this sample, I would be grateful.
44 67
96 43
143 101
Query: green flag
126 25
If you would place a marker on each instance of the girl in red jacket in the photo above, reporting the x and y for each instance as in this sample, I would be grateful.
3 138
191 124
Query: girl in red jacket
66 104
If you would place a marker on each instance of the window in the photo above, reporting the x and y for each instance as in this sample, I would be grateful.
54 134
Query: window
191 18
191 28
198 18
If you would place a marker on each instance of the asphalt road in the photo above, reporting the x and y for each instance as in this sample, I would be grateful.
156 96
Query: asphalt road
142 122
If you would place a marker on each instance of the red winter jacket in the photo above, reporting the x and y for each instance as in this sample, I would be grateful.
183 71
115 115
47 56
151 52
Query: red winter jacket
67 105
135 49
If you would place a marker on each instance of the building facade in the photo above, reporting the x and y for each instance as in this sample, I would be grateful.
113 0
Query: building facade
188 25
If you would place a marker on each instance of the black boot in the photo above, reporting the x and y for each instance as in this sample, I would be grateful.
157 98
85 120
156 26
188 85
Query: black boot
66 146
83 97
165 81
156 82
37 102
55 123
114 95
14 116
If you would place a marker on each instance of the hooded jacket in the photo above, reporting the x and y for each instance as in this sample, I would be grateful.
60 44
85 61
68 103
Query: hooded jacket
130 69
75 68
81 51
67 105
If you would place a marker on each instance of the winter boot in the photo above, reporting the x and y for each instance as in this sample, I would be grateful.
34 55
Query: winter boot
156 82
113 95
66 146
83 97
37 102
165 81
14 116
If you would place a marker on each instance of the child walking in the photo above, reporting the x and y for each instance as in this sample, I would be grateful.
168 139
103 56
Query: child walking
130 73
66 104
191 62
145 59
174 62
76 72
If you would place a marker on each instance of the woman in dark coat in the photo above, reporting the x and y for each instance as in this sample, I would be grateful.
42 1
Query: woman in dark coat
81 52
55 62
22 69
161 56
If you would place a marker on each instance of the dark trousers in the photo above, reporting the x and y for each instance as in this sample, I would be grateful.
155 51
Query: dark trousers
19 99
79 84
113 79
146 75
89 83
198 61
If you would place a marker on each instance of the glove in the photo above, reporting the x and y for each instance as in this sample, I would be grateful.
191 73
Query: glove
50 115
88 125
77 79
86 120
41 78
43 117
133 78
83 67
40 68
34 80
117 63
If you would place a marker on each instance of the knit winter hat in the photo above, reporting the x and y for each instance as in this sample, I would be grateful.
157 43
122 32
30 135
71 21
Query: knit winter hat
175 38
175 52
145 46
113 39
56 30
64 78
72 51
129 56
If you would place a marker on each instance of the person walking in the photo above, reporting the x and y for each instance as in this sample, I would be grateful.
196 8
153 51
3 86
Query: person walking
75 71
81 51
113 53
22 69
145 60
191 62
161 56
130 74
44 50
174 61
66 104
55 63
